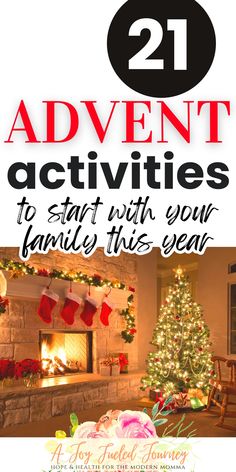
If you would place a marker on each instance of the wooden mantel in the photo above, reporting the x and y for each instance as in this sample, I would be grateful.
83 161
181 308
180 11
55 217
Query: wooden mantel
30 287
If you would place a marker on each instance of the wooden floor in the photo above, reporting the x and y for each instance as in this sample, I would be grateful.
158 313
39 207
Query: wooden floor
204 422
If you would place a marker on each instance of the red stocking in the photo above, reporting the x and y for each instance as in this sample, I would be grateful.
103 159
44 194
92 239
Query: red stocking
71 305
106 310
89 310
47 302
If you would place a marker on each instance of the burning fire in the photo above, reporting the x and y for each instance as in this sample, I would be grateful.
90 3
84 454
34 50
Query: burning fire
55 362
51 358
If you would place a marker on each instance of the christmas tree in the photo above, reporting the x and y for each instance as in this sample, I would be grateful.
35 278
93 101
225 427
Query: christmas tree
182 358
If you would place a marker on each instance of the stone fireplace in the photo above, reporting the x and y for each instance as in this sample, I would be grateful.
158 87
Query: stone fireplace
21 329
78 384
64 353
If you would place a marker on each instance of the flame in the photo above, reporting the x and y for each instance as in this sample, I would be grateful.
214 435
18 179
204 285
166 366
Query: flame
62 355
51 353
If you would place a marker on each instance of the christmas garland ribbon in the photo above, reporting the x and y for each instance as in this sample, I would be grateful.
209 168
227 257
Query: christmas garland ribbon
19 269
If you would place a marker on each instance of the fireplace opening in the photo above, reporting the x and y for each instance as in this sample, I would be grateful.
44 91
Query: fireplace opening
64 353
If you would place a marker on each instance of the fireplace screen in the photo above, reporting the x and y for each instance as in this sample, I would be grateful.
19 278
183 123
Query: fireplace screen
64 353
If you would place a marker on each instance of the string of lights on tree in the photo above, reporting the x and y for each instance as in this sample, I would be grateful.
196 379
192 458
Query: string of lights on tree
21 269
182 358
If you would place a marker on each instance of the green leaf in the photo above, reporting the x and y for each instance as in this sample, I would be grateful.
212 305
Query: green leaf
192 434
160 422
145 411
72 430
181 429
167 402
74 419
155 409
166 412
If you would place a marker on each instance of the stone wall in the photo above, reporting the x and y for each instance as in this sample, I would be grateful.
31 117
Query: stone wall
21 406
19 327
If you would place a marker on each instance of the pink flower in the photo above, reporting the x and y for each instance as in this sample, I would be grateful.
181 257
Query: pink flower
88 430
118 424
135 424
108 422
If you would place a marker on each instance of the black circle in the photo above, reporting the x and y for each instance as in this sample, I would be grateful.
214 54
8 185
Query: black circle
168 155
135 155
92 155
201 46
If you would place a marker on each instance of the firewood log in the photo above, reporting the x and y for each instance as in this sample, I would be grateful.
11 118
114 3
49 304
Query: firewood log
59 363
67 369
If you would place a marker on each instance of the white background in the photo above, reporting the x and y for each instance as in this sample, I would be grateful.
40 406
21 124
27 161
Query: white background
205 454
57 51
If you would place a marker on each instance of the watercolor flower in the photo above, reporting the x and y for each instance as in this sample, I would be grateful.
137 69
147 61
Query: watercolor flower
135 424
88 430
118 424
108 422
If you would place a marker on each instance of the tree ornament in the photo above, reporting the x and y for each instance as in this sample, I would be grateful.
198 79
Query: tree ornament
178 272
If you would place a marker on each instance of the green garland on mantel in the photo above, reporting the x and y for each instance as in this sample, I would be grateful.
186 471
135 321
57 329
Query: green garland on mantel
20 269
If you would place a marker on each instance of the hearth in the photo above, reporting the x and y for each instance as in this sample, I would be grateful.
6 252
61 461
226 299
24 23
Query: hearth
65 353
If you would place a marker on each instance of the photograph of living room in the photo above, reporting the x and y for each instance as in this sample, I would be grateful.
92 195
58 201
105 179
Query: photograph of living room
86 335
